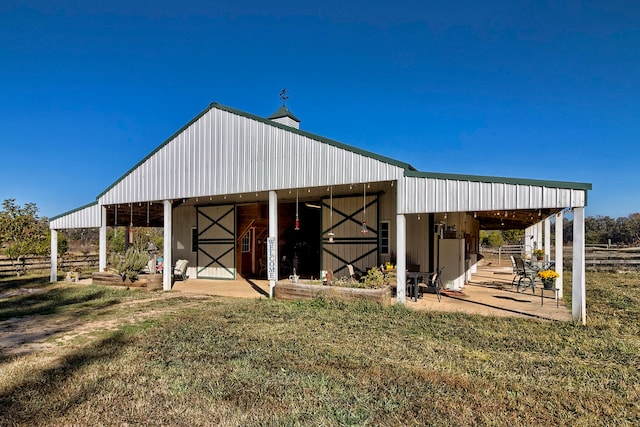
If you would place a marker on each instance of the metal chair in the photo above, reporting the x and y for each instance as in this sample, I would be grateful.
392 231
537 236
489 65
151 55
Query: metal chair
526 275
180 270
433 285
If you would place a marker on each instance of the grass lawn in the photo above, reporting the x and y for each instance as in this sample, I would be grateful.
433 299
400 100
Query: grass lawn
163 359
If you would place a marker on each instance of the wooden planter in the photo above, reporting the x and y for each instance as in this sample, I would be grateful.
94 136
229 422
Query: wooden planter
285 291
149 281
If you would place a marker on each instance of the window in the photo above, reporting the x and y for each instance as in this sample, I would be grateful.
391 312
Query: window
246 242
194 239
384 237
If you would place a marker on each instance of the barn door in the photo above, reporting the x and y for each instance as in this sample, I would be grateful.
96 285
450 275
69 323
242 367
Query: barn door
350 245
216 242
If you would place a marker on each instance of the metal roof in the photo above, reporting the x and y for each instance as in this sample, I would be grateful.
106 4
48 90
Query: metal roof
227 151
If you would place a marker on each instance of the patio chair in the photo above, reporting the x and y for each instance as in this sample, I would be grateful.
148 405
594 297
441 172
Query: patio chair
180 270
433 285
526 275
515 270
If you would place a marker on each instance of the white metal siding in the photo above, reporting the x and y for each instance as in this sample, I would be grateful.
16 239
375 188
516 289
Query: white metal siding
87 217
450 195
225 153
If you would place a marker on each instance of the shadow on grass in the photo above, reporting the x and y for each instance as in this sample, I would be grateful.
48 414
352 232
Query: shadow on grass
28 281
54 301
48 395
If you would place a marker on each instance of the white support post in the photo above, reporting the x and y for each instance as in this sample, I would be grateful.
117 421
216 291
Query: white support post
547 239
54 256
102 247
578 292
559 253
273 234
401 260
167 271
539 235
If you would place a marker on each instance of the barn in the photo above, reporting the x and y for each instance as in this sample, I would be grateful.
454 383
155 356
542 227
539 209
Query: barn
238 194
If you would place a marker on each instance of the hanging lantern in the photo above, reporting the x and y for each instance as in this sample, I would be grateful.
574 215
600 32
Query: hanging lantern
297 217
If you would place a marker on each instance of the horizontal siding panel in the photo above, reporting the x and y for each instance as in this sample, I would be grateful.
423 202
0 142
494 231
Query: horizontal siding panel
87 217
225 153
440 195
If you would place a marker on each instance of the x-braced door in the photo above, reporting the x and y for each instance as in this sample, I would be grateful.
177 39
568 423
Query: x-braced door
216 242
351 244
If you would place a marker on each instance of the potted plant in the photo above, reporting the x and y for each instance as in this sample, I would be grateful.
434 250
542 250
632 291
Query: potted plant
539 254
548 278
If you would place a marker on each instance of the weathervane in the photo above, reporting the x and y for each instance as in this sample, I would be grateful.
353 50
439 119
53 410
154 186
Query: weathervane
283 96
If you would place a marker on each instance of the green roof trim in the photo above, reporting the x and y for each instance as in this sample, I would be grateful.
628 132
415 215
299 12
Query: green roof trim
88 205
283 112
500 180
269 122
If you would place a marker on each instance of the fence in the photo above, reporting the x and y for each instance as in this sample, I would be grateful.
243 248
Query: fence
11 267
610 259
597 257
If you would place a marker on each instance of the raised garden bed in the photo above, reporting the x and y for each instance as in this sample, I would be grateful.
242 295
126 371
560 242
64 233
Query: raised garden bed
287 291
149 281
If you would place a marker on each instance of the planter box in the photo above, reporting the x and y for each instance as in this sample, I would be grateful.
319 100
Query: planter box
150 281
285 291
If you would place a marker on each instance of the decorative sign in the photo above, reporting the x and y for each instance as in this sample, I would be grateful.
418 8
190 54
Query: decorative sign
271 259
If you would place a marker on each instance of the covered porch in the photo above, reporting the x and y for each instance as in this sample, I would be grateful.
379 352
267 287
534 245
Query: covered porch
488 293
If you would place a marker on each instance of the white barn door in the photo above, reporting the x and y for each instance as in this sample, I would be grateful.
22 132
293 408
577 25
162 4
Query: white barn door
350 244
216 242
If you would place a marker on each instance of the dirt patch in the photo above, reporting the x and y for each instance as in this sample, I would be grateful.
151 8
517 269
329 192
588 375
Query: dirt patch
26 335
22 291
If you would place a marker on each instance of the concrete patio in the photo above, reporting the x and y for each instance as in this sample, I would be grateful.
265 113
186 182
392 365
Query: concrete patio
489 293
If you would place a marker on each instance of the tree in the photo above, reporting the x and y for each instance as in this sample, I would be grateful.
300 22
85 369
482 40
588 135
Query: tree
493 239
22 232
513 237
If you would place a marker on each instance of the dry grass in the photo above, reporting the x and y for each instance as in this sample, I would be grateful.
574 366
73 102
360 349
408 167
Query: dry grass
218 361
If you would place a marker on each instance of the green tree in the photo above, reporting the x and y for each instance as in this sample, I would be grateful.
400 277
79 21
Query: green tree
513 237
115 240
493 239
22 232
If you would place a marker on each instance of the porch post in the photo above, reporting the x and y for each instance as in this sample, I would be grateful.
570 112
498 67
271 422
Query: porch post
401 260
539 235
547 239
578 292
54 256
102 247
528 240
559 252
167 270
273 234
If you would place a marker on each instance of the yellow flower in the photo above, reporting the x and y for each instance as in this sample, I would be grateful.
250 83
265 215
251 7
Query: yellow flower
547 274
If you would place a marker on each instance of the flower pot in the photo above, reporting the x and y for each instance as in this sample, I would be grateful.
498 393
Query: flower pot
548 283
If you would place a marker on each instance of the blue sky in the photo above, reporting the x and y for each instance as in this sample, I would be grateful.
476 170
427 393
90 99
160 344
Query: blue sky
529 89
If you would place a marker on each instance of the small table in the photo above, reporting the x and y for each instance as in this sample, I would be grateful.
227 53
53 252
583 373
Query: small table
413 283
555 291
